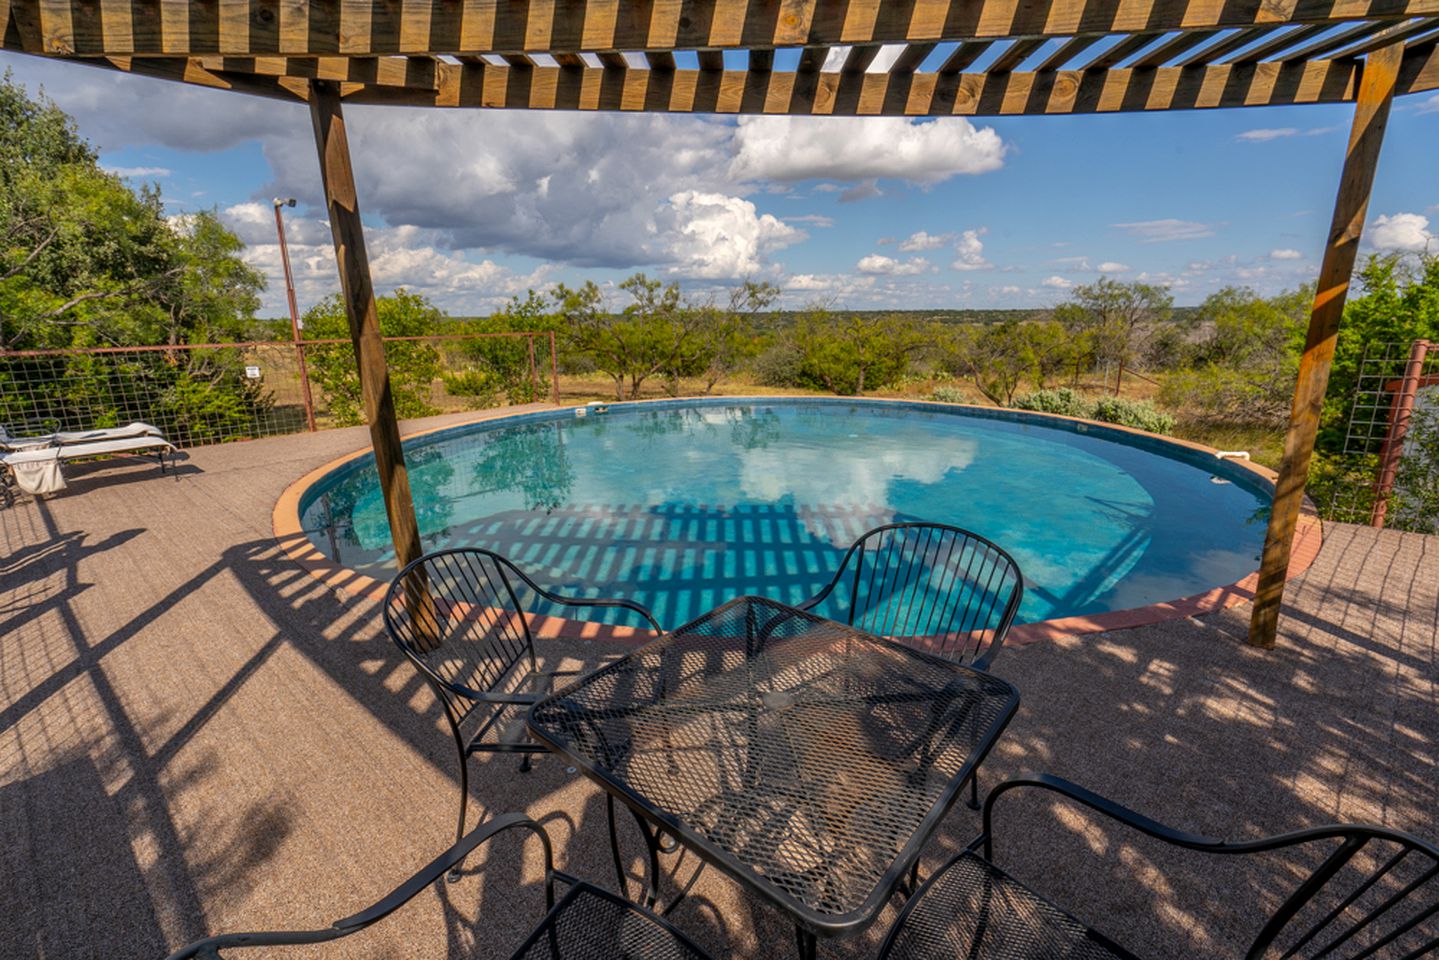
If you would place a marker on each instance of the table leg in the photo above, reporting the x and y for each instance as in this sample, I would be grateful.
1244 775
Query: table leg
805 941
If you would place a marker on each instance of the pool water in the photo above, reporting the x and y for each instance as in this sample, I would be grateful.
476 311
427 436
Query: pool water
681 506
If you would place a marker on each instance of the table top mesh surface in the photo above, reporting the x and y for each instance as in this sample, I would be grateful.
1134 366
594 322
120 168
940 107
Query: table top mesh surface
593 924
794 748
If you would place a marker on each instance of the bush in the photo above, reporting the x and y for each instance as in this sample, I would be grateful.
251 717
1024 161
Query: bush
472 383
948 395
1139 414
779 366
1063 401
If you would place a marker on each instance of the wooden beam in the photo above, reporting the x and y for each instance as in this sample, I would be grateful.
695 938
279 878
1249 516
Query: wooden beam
359 295
1377 83
451 28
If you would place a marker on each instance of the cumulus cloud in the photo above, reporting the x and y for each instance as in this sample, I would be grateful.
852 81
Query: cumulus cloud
1285 253
1402 232
1056 283
1159 231
789 149
1430 105
969 252
877 264
924 241
1111 266
716 237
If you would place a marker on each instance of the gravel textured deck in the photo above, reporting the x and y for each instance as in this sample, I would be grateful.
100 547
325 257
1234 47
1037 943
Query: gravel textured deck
197 736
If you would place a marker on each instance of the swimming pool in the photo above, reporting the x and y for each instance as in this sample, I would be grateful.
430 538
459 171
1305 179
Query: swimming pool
682 505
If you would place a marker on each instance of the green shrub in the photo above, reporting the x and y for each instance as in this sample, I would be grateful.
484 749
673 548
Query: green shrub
471 383
1139 414
1062 401
948 395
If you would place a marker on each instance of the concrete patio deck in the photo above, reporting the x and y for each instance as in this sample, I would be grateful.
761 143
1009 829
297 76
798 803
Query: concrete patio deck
197 736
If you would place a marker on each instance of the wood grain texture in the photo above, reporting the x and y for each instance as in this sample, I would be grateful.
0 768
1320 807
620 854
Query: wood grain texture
1377 87
454 27
358 293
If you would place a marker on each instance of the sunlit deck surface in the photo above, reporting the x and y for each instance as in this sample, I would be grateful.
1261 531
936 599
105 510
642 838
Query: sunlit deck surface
198 736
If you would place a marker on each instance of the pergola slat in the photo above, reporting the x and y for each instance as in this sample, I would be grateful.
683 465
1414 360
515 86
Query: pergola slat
1122 49
1326 46
1017 53
1180 43
1388 36
711 60
1268 49
448 27
963 56
911 57
1229 44
859 58
1067 52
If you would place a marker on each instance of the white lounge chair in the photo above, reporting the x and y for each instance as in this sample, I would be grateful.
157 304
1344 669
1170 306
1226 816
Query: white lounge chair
9 444
36 468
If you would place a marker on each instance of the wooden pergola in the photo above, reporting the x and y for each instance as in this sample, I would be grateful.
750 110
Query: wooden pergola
792 57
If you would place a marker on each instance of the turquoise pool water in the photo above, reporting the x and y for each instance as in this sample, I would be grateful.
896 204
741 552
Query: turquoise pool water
681 506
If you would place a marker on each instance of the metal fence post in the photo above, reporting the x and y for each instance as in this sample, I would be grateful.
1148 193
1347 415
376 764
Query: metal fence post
554 369
1401 411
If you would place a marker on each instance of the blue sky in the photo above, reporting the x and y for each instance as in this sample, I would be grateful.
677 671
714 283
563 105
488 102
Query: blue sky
471 207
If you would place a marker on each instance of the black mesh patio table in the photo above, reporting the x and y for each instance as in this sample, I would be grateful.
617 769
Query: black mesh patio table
802 757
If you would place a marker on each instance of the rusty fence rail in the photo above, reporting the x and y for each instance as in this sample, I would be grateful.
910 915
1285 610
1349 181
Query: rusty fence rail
1387 473
218 392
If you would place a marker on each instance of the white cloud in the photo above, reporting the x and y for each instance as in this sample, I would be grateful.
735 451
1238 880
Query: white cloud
1275 133
719 237
1285 253
925 241
813 219
1110 266
1267 133
1158 231
853 151
136 171
1429 105
969 251
1056 283
1407 232
877 264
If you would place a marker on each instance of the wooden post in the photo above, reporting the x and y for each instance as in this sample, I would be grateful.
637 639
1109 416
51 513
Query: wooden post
359 296
1351 204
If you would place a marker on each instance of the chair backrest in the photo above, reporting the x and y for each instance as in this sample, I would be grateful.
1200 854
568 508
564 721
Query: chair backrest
1375 894
931 585
458 615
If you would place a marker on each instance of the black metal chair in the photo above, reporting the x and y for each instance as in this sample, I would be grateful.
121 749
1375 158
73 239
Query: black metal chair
464 617
587 922
931 585
1374 894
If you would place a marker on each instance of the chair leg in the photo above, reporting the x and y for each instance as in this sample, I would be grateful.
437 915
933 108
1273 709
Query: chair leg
973 801
454 875
525 764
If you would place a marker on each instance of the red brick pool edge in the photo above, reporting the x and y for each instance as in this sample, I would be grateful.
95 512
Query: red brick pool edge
293 541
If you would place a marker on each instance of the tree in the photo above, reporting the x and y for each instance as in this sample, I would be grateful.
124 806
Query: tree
505 362
997 357
413 365
1118 318
847 356
87 261
1245 368
729 335
659 332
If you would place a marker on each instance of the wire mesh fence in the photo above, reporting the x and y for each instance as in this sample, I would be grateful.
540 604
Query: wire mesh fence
1387 470
213 393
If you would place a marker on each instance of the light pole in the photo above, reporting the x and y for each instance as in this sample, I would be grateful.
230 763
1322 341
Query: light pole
294 311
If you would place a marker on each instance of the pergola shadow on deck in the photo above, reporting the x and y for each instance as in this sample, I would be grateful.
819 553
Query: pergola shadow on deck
197 735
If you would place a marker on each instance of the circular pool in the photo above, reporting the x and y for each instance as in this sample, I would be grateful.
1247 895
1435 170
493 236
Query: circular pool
682 505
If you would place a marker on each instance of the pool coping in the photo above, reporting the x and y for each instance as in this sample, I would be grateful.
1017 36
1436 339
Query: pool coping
295 544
